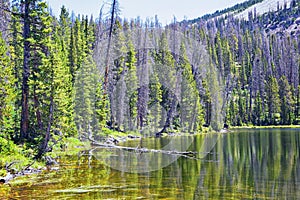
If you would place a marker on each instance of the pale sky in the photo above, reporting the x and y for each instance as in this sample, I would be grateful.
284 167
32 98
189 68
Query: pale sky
165 9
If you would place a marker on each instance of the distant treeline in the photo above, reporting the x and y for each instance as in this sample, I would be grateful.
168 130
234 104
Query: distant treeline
236 9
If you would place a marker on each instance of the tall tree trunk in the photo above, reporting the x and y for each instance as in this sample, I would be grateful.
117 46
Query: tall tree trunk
108 46
24 134
107 60
143 91
44 144
170 115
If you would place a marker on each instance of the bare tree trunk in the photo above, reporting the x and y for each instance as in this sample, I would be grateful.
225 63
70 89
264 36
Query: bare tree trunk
170 115
24 134
108 46
143 91
107 59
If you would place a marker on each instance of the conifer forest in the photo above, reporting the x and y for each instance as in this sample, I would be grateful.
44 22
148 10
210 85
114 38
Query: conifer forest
108 107
86 77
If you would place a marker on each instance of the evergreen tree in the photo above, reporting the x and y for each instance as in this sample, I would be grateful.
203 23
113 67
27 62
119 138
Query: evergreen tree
16 54
154 105
117 85
273 100
191 115
86 85
64 30
287 103
7 95
257 114
63 89
233 113
165 69
131 85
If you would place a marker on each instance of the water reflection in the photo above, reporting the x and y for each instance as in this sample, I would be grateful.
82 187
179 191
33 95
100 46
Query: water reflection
248 164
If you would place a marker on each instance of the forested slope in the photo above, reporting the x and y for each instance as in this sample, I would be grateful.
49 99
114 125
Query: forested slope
74 76
261 57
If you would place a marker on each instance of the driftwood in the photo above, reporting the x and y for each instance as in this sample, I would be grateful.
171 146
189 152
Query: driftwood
11 174
188 154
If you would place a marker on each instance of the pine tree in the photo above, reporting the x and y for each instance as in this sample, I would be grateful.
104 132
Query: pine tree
232 113
16 53
24 124
287 103
131 85
212 79
117 85
273 100
86 85
63 94
64 30
191 115
72 58
242 111
7 95
257 114
102 106
154 103
207 101
165 69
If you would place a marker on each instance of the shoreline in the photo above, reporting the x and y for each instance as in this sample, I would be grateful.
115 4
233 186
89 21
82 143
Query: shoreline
114 139
265 127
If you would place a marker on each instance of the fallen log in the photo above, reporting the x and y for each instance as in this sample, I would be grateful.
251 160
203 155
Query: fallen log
188 154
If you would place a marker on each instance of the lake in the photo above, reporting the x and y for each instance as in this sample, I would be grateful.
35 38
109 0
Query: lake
244 164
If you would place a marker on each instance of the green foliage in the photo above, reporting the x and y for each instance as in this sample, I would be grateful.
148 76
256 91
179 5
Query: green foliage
131 85
258 115
273 100
16 156
85 99
154 104
7 95
16 54
63 90
212 78
287 102
7 147
191 115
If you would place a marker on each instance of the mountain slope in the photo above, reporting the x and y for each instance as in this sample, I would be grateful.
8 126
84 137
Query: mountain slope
264 7
241 10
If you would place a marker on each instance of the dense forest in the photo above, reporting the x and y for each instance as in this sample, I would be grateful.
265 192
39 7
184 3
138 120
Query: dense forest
77 76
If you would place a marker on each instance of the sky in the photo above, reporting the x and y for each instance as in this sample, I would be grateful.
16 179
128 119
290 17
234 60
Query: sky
164 9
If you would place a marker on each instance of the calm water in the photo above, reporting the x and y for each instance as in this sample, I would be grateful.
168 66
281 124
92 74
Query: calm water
246 164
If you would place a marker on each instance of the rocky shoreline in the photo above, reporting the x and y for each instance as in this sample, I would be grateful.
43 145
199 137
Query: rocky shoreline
11 173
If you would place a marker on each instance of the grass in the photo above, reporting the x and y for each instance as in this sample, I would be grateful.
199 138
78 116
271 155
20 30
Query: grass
108 132
261 127
18 157
15 157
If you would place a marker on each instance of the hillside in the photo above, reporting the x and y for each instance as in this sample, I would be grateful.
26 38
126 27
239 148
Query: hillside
256 50
286 20
242 10
263 7
275 16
